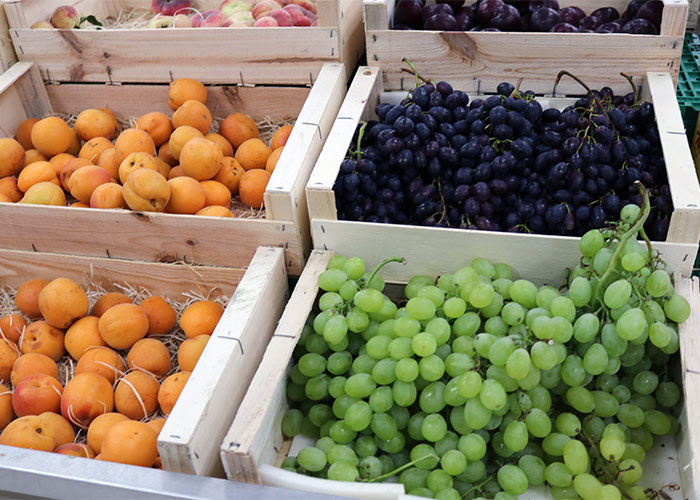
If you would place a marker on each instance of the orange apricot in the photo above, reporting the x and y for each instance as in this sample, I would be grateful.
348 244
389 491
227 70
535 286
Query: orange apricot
9 188
93 123
101 360
43 338
123 325
180 137
216 194
185 89
31 364
24 133
161 316
252 187
146 190
62 302
164 154
114 119
273 159
195 114
170 391
75 143
81 336
130 442
157 125
156 424
51 136
36 394
85 180
28 432
201 318
135 161
92 150
6 413
150 355
176 172
108 195
44 193
186 196
8 356
75 450
62 429
99 427
108 300
69 168
190 351
136 395
238 128
108 161
222 142
58 161
11 326
85 397
11 157
35 173
201 159
134 141
33 156
252 154
163 168
27 298
215 211
281 136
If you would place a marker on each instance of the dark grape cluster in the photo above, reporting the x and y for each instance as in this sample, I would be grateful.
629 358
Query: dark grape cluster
503 163
642 17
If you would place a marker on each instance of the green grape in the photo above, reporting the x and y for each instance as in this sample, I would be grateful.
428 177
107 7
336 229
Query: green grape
531 380
335 329
348 290
377 282
431 398
406 370
587 486
633 450
454 307
533 467
312 459
538 423
448 494
493 309
631 324
645 382
342 471
659 335
591 242
449 442
467 325
622 393
320 321
400 416
476 414
596 359
480 295
336 387
576 457
400 348
554 443
668 394
617 294
503 271
545 296
453 462
483 267
414 477
433 293
465 275
492 395
580 399
580 291
458 363
358 321
629 213
363 364
644 401
393 445
631 415
420 308
447 282
613 366
336 262
440 329
354 267
657 422
658 283
475 471
358 416
365 447
568 424
330 300
564 307
500 351
542 327
586 328
512 479
610 492
340 346
387 311
469 384
543 355
502 286
341 453
677 309
319 414
451 394
414 423
563 330
605 404
316 388
551 378
472 446
518 364
415 284
630 471
515 436
601 261
369 300
431 368
524 293
378 347
615 314
438 480
337 363
291 423
633 262
612 447
558 474
534 313
495 326
405 393
331 280
434 427
383 425
540 398
674 344
360 385
513 313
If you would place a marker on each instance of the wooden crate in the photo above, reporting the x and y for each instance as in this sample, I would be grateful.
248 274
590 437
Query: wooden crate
478 61
254 446
693 6
213 55
358 238
191 437
7 50
168 237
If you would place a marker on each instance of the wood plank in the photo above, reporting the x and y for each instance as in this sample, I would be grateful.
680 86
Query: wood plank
478 61
674 17
146 236
680 166
450 249
169 280
7 50
688 331
378 14
190 440
327 13
244 445
261 55
352 34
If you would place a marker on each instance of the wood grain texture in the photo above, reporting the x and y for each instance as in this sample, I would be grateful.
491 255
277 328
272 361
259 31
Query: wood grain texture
190 440
7 50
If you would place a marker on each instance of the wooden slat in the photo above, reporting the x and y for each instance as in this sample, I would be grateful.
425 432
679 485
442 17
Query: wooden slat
352 34
7 50
249 438
190 440
169 280
378 14
145 236
675 16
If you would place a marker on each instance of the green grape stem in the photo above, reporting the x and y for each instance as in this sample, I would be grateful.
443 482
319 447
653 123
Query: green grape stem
635 91
403 468
637 225
382 264
360 135
477 487
590 92
413 71
601 460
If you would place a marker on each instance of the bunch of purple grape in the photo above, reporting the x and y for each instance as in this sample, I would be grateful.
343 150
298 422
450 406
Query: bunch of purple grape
503 163
642 17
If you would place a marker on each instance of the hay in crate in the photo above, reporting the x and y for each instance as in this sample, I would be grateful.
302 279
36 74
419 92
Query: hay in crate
172 340
138 18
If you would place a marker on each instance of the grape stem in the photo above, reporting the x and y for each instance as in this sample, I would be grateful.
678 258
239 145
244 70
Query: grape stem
477 487
590 92
636 226
358 151
413 71
382 264
630 79
403 467
601 459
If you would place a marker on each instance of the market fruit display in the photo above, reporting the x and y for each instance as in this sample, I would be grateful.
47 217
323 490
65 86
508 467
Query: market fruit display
641 17
480 384
187 163
505 163
89 374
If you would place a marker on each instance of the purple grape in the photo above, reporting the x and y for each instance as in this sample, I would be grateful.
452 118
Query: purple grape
564 28
589 23
433 9
441 22
544 19
652 11
466 19
491 28
639 27
539 4
571 15
632 9
485 11
608 28
409 13
506 18
606 14
455 4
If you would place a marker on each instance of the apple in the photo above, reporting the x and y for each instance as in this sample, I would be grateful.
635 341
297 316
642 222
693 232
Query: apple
160 22
169 7
230 7
211 18
282 17
241 19
65 17
42 25
263 8
307 4
266 22
300 16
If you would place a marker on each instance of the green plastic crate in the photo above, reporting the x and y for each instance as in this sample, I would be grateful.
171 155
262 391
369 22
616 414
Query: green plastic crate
688 91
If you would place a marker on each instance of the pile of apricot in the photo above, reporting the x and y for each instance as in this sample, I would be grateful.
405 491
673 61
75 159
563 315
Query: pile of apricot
123 380
163 164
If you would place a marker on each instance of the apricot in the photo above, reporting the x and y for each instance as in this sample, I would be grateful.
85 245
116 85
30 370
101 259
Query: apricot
273 159
28 432
85 180
186 196
149 355
215 211
69 168
180 137
201 159
216 194
136 395
62 429
108 300
201 318
44 193
238 128
24 133
79 204
252 187
35 173
93 123
114 119
75 450
190 351
157 125
135 161
75 143
5 199
37 394
195 114
103 361
51 136
11 157
62 302
11 327
176 172
164 154
108 161
108 195
222 142
146 190
163 168
161 316
123 325
99 427
81 336
8 356
185 89
9 188
6 413
130 442
31 364
156 424
252 154
92 150
58 161
133 140
27 298
280 137
85 397
33 156
43 338
170 391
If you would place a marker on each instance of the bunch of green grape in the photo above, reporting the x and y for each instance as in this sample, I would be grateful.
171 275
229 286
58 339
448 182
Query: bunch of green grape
475 385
